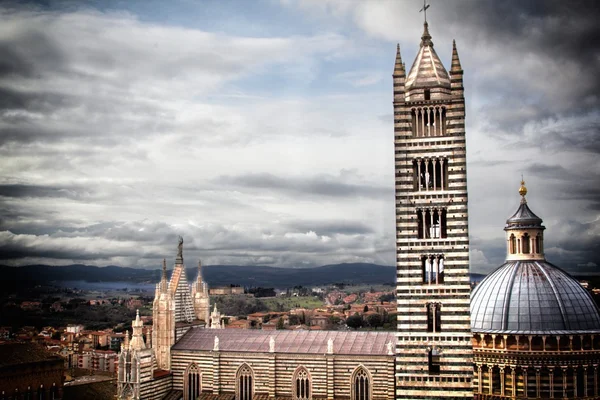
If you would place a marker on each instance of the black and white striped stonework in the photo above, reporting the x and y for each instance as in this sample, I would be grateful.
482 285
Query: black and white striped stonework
433 348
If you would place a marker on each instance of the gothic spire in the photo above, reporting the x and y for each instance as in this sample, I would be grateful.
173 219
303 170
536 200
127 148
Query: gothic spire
163 282
455 60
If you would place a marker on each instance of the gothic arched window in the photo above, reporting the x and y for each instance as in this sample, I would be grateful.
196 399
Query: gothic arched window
512 244
244 383
361 384
53 392
434 361
301 384
41 393
526 241
193 382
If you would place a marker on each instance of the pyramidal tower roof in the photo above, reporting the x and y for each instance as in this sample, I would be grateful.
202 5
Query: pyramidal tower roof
427 70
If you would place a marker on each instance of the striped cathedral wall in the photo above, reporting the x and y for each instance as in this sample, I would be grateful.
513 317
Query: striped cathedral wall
330 373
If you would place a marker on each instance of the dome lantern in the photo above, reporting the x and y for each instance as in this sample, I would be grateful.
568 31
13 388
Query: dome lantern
524 232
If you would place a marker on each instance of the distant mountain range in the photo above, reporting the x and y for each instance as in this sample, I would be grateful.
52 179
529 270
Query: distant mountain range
215 275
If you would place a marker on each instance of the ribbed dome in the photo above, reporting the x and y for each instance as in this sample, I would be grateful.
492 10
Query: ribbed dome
532 296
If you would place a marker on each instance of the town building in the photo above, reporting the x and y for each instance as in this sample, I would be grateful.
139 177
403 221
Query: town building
29 371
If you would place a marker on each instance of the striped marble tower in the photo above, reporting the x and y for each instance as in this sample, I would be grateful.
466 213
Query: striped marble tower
434 353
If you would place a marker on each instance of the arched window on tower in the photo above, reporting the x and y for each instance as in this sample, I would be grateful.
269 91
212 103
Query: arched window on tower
301 384
427 94
193 382
432 223
432 267
428 121
512 243
361 384
526 241
430 174
434 320
434 361
244 383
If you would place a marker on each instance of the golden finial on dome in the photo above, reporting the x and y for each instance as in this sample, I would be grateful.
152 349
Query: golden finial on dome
522 189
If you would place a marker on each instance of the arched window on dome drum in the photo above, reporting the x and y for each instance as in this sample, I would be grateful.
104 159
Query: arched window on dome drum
526 241
245 383
301 384
512 244
361 385
193 382
432 267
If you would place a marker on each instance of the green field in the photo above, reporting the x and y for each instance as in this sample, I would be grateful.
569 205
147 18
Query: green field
287 303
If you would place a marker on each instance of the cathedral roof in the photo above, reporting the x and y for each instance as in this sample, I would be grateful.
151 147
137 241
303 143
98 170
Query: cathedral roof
532 296
427 70
286 341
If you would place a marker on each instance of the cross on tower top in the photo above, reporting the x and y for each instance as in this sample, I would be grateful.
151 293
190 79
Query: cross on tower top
424 9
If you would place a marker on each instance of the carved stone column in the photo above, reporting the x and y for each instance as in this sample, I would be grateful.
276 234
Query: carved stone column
537 382
585 380
564 373
419 173
513 382
502 379
491 379
479 381
551 379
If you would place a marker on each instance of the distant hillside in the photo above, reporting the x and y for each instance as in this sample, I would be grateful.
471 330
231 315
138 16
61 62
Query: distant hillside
215 275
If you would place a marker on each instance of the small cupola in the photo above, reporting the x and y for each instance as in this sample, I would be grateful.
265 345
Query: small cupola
524 232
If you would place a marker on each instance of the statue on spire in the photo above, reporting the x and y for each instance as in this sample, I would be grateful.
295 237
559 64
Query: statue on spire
179 259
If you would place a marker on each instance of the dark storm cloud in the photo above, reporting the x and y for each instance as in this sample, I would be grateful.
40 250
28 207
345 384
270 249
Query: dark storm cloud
328 186
30 191
551 69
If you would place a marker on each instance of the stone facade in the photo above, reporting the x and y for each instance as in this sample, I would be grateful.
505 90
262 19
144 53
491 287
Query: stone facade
434 355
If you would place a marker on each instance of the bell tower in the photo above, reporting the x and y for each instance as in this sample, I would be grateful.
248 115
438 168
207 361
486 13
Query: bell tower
434 352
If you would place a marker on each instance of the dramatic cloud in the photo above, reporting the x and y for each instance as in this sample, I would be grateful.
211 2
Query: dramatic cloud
267 138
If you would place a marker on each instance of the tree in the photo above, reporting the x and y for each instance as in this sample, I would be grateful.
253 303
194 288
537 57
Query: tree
280 324
375 320
354 321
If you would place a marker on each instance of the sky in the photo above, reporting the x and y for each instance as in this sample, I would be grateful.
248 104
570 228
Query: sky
262 131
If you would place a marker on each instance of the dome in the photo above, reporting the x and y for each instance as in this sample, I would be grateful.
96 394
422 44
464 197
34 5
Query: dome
532 296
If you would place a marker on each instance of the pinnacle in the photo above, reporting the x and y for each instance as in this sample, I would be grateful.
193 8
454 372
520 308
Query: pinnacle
399 65
455 60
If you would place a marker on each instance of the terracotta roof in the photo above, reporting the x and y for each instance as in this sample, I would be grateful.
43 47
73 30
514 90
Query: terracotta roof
287 341
24 353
